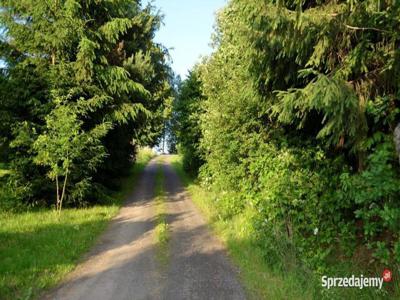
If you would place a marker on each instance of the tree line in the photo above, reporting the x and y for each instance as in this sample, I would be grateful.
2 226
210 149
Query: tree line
293 119
83 84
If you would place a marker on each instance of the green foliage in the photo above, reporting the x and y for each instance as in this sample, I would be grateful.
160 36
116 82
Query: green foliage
334 98
374 194
69 152
83 81
8 201
186 122
300 105
244 247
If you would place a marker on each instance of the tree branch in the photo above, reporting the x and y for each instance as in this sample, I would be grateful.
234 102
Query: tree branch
63 190
58 197
365 28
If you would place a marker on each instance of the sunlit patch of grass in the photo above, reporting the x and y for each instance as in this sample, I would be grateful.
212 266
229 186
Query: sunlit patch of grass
4 170
145 154
38 248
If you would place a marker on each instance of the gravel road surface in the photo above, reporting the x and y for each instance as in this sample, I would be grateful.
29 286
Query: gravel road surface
124 265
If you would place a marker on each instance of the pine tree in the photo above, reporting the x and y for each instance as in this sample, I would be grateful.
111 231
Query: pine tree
100 59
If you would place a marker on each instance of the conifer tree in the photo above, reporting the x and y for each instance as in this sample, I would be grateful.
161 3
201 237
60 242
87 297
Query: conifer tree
301 104
100 58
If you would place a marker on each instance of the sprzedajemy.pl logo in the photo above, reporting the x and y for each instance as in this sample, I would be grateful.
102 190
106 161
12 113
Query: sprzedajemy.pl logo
357 282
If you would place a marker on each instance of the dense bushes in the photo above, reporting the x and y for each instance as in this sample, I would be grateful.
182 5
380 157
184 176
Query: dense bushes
84 84
300 104
187 110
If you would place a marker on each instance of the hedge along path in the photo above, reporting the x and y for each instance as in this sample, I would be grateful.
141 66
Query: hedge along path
125 263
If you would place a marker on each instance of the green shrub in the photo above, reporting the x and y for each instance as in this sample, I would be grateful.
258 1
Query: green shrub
186 122
294 126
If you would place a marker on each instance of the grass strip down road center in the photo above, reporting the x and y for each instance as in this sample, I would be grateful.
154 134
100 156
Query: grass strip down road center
161 227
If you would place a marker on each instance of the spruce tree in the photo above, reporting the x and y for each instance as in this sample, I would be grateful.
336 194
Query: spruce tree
301 104
100 59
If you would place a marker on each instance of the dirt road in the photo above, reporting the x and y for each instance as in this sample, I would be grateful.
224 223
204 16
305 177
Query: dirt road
123 265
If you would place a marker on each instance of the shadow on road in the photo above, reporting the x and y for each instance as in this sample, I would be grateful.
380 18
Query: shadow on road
123 266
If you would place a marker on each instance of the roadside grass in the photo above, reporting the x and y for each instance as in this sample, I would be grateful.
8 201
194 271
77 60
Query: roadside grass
161 228
38 248
259 278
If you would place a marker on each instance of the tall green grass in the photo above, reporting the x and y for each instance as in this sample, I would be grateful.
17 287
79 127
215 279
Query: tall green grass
38 248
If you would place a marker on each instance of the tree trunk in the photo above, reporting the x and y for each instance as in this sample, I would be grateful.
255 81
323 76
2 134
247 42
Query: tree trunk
58 195
63 189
